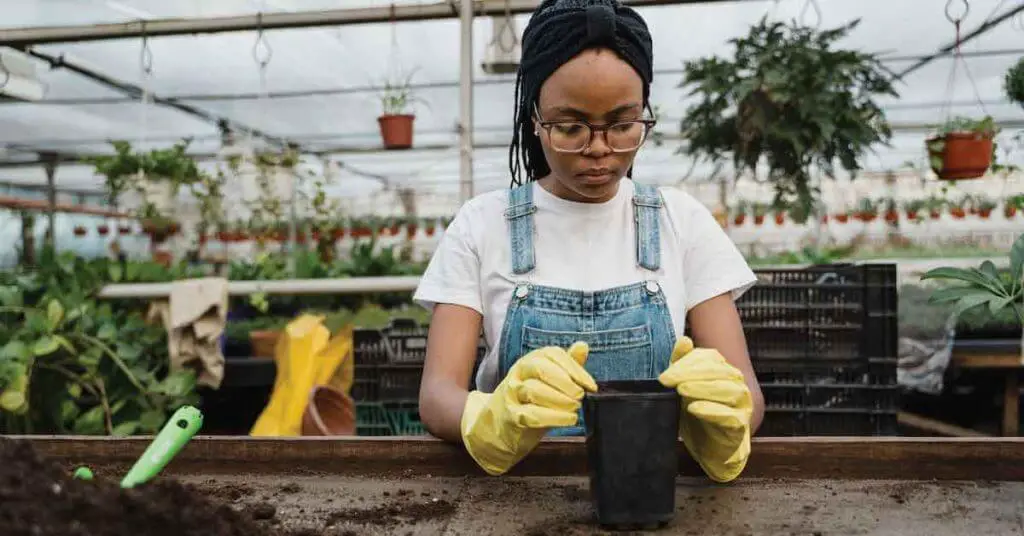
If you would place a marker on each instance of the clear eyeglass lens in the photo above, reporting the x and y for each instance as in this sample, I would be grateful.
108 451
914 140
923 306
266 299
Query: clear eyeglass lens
620 136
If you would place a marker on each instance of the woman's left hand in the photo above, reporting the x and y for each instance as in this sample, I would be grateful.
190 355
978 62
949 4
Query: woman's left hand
716 409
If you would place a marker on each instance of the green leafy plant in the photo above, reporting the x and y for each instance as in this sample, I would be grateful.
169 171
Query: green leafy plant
396 96
789 96
122 169
984 285
71 364
1013 82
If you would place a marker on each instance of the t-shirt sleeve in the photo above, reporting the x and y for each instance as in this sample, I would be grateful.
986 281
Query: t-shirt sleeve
453 273
713 264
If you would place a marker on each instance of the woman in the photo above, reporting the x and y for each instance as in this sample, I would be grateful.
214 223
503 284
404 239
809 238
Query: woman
581 275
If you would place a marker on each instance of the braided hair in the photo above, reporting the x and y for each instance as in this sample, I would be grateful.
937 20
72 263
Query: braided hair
557 32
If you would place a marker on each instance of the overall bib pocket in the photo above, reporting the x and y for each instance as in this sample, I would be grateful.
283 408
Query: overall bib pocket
615 354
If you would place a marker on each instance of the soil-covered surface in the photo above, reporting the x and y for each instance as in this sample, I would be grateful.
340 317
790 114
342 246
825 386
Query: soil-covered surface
41 499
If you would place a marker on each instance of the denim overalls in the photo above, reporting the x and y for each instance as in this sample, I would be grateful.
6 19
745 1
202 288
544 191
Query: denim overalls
629 328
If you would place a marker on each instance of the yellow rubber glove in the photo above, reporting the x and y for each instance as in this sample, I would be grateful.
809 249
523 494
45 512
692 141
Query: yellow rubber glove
542 390
716 409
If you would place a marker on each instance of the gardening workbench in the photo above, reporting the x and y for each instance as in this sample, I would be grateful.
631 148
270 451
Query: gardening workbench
1004 357
421 486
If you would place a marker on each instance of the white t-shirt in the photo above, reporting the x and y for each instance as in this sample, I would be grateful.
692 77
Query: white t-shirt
579 246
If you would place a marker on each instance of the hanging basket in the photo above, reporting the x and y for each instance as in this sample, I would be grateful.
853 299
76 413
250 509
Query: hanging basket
960 155
396 130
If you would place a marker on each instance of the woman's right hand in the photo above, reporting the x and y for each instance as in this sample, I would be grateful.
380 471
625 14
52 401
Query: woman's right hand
542 390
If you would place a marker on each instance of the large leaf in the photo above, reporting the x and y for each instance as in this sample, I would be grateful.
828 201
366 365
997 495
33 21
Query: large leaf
951 294
126 428
10 296
151 420
995 305
15 350
54 313
973 276
970 302
179 383
1017 259
45 346
91 422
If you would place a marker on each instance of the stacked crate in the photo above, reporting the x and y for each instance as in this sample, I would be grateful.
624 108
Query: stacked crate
388 370
823 341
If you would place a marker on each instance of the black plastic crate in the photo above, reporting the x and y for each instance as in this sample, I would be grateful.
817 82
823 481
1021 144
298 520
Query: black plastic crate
829 423
823 342
837 312
399 383
403 341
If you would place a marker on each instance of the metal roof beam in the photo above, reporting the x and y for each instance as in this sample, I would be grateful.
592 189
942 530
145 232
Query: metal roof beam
25 37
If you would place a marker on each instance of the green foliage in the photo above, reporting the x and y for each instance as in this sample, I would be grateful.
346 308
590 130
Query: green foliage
1013 83
123 167
789 96
71 364
396 96
984 286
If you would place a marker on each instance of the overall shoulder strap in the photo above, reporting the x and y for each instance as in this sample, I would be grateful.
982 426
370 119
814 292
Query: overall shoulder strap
520 218
647 204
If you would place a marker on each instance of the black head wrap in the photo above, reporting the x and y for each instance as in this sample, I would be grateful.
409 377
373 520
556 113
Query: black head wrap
557 32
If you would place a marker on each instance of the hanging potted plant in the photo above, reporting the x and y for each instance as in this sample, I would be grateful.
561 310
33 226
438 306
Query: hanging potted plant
935 204
759 211
891 215
791 99
411 226
1012 204
962 148
156 176
913 209
956 209
842 216
867 210
396 119
79 230
429 226
739 213
1013 82
984 206
103 229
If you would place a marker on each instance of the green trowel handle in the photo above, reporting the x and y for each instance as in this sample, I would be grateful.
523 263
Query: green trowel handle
179 430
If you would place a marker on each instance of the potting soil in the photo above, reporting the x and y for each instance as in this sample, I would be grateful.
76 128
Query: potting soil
41 498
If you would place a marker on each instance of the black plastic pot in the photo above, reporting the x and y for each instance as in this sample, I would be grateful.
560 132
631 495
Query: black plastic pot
632 432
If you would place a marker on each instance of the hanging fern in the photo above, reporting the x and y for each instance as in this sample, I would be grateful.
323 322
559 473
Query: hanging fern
790 96
1014 83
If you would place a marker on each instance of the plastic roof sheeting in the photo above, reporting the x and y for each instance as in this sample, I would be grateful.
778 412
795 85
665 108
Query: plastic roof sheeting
354 57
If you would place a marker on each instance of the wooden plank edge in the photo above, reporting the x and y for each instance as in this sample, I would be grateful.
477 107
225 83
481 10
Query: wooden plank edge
919 422
398 457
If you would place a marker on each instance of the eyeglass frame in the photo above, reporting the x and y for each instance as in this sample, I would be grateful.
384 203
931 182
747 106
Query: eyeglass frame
594 129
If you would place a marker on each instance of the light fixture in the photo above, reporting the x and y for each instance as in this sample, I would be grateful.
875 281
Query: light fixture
18 77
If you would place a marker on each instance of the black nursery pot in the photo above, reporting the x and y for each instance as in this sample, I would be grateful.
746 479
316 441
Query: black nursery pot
632 432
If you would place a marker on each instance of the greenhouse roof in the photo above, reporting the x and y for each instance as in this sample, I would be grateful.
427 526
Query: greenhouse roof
322 81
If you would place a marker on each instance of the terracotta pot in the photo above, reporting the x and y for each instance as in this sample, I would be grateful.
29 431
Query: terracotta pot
410 231
965 155
759 219
430 231
79 231
103 230
1009 211
935 214
124 229
842 218
866 217
329 412
739 219
163 258
911 214
958 213
891 216
338 234
263 342
396 130
780 219
984 213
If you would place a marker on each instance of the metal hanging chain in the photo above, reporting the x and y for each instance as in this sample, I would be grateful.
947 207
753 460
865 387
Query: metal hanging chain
506 28
811 5
261 54
145 76
957 22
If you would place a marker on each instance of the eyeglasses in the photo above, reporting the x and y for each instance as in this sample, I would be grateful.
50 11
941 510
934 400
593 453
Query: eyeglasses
576 136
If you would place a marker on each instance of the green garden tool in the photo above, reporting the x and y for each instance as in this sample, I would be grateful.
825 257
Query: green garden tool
179 430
